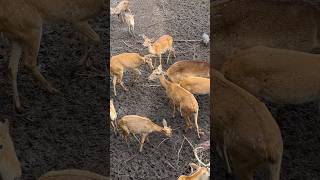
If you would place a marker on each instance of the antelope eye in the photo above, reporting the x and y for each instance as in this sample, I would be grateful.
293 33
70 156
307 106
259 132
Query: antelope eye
1 146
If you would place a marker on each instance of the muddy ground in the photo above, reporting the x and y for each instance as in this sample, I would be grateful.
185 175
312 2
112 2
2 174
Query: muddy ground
184 20
299 125
66 130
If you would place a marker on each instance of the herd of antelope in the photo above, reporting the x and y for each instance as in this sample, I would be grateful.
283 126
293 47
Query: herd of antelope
185 78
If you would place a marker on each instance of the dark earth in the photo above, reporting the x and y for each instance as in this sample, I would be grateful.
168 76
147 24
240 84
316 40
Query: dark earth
299 125
66 130
184 20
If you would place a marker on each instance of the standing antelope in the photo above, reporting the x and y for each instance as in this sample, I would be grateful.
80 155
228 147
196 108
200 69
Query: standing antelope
142 125
120 9
129 18
201 173
124 61
72 174
160 46
183 69
113 115
246 134
10 168
187 103
22 23
276 75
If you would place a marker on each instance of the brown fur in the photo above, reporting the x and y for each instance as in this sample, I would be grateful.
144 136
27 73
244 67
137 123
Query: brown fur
196 85
22 21
113 115
122 62
246 134
141 125
201 173
276 75
10 167
120 9
72 174
183 69
187 103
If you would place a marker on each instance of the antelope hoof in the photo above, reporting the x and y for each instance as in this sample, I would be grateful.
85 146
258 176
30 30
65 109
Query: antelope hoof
52 90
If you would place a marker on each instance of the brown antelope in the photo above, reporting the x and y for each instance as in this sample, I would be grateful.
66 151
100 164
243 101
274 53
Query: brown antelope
141 125
122 62
196 85
244 130
129 18
282 24
183 69
22 22
201 173
187 103
113 115
276 75
72 174
10 168
120 9
160 46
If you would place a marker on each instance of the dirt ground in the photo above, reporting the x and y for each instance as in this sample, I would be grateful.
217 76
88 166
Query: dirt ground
184 20
299 125
66 130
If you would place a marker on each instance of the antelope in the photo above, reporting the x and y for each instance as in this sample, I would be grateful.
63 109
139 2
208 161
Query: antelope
122 7
276 75
245 132
183 69
124 61
142 125
72 174
201 173
187 103
10 168
196 85
113 115
129 18
22 22
160 46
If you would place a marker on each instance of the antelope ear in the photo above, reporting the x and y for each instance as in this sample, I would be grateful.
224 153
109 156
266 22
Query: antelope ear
164 122
194 166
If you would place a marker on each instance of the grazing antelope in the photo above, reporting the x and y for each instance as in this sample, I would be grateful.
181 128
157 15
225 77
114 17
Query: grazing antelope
183 69
113 115
129 18
160 46
276 75
187 103
22 23
10 168
246 134
201 173
124 61
142 125
196 85
120 9
72 174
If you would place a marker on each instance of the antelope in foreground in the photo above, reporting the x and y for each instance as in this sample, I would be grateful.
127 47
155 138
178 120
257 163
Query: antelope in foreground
129 18
113 115
183 69
196 85
141 125
187 103
122 62
10 168
276 75
22 22
72 174
160 46
120 9
246 134
201 173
